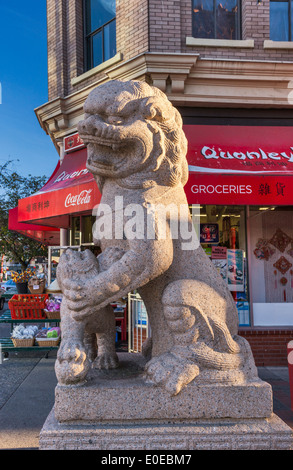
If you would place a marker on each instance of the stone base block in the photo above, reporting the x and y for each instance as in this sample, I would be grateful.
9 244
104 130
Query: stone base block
213 434
121 395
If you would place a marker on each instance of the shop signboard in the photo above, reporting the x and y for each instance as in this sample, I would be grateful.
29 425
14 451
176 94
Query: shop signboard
240 149
239 165
71 189
271 190
73 143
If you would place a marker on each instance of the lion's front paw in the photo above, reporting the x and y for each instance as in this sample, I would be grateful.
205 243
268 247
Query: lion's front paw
171 372
106 361
72 364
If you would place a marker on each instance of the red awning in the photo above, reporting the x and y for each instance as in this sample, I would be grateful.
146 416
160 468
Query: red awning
71 189
250 165
40 233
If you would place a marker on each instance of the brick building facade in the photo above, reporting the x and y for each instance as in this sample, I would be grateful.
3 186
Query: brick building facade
244 81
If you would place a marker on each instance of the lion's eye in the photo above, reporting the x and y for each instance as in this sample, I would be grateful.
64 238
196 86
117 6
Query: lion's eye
116 120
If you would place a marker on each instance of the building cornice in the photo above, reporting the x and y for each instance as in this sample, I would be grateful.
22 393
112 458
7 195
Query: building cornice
188 80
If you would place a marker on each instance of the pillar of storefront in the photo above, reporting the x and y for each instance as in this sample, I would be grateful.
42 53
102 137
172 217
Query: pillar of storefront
63 237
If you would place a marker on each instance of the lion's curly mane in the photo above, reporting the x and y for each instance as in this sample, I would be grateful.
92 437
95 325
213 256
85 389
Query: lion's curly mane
170 144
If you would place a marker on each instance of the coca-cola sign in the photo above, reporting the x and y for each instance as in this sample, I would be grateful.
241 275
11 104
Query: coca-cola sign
84 197
73 142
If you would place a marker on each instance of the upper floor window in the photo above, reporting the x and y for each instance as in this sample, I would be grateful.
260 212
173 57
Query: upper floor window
281 20
100 31
216 19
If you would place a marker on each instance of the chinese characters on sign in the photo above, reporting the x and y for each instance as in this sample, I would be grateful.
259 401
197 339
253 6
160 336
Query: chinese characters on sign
37 206
265 189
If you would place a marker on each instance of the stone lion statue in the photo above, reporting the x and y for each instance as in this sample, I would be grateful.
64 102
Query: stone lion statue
137 154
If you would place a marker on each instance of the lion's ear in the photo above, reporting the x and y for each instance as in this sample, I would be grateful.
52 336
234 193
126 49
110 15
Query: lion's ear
153 109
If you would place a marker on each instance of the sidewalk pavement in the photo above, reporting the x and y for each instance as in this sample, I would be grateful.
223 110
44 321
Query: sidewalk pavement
27 387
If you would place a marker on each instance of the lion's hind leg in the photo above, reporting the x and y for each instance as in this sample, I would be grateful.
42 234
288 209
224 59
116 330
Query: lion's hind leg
195 314
104 327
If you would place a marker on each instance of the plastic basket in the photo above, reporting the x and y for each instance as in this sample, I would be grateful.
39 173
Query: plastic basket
28 306
23 343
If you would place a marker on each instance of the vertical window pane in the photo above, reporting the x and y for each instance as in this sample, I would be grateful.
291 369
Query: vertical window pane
87 228
279 21
100 31
97 45
226 19
101 11
291 21
203 19
75 230
87 16
110 40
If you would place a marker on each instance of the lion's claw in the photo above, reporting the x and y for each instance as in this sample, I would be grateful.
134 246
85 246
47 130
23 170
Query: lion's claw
171 372
106 361
72 364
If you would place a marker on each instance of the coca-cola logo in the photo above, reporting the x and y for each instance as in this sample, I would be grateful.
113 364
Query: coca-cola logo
82 198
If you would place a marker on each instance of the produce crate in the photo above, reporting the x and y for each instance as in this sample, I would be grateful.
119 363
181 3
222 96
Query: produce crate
23 343
28 306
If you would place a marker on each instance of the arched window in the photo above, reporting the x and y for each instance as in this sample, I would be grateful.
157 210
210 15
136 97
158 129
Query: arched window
281 20
100 31
216 19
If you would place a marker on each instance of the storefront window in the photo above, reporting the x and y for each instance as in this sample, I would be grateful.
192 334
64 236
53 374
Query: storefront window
75 231
271 241
223 238
87 228
82 230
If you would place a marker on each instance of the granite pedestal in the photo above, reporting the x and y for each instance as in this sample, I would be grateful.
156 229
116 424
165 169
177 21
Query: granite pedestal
118 410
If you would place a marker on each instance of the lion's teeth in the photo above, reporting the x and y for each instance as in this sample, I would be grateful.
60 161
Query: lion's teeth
114 147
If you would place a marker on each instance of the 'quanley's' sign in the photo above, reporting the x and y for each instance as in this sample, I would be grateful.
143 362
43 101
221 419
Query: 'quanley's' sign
245 165
84 197
239 149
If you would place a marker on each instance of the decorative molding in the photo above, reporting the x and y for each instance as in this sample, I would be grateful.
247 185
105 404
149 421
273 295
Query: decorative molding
268 44
188 80
202 42
99 68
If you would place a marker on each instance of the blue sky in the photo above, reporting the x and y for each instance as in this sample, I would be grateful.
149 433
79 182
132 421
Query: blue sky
23 77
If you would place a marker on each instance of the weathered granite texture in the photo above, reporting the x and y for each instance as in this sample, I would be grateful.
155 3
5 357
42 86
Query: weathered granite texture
226 396
137 154
213 434
196 387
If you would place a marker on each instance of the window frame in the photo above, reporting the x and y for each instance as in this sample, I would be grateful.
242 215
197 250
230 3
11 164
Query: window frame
238 21
88 38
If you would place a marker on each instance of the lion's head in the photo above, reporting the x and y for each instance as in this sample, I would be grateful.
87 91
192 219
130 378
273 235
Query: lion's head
134 134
